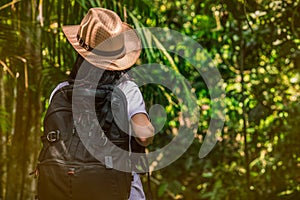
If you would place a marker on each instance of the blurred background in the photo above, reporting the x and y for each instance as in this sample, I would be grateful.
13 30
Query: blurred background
254 44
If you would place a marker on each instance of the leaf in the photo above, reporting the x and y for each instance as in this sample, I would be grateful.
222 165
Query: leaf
207 174
162 188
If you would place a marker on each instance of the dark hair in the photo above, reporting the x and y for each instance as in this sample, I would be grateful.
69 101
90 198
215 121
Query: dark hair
107 76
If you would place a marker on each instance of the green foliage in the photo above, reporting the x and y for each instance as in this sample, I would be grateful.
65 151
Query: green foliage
255 46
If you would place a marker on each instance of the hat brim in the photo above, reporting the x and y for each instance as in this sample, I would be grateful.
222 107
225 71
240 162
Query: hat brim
132 48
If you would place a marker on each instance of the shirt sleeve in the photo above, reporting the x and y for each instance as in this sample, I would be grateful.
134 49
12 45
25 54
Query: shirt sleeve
134 98
60 85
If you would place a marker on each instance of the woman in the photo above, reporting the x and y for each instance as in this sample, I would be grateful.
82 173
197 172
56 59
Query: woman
108 46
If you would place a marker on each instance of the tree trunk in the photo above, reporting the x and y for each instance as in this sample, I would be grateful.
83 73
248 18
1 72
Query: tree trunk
24 147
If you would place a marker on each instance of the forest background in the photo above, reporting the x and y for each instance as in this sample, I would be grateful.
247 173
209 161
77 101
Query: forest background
255 46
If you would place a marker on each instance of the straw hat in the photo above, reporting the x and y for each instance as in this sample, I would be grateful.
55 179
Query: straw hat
104 40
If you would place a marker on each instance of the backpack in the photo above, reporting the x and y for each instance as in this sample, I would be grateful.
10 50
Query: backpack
78 159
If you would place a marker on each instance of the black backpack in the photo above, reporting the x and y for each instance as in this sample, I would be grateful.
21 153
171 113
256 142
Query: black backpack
78 159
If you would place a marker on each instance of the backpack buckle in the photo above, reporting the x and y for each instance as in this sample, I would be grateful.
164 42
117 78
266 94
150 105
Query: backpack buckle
53 136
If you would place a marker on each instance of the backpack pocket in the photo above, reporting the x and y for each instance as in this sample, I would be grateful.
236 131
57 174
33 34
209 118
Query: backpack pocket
63 181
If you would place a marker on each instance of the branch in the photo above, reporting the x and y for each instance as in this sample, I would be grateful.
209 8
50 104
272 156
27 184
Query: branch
246 15
5 68
9 4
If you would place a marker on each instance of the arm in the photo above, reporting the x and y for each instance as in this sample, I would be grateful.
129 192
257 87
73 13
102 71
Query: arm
142 128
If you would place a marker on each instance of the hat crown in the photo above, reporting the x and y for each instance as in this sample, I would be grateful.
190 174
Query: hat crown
99 26
104 41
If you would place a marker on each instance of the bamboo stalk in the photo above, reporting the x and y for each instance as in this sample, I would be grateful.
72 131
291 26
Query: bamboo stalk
2 139
25 70
41 17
